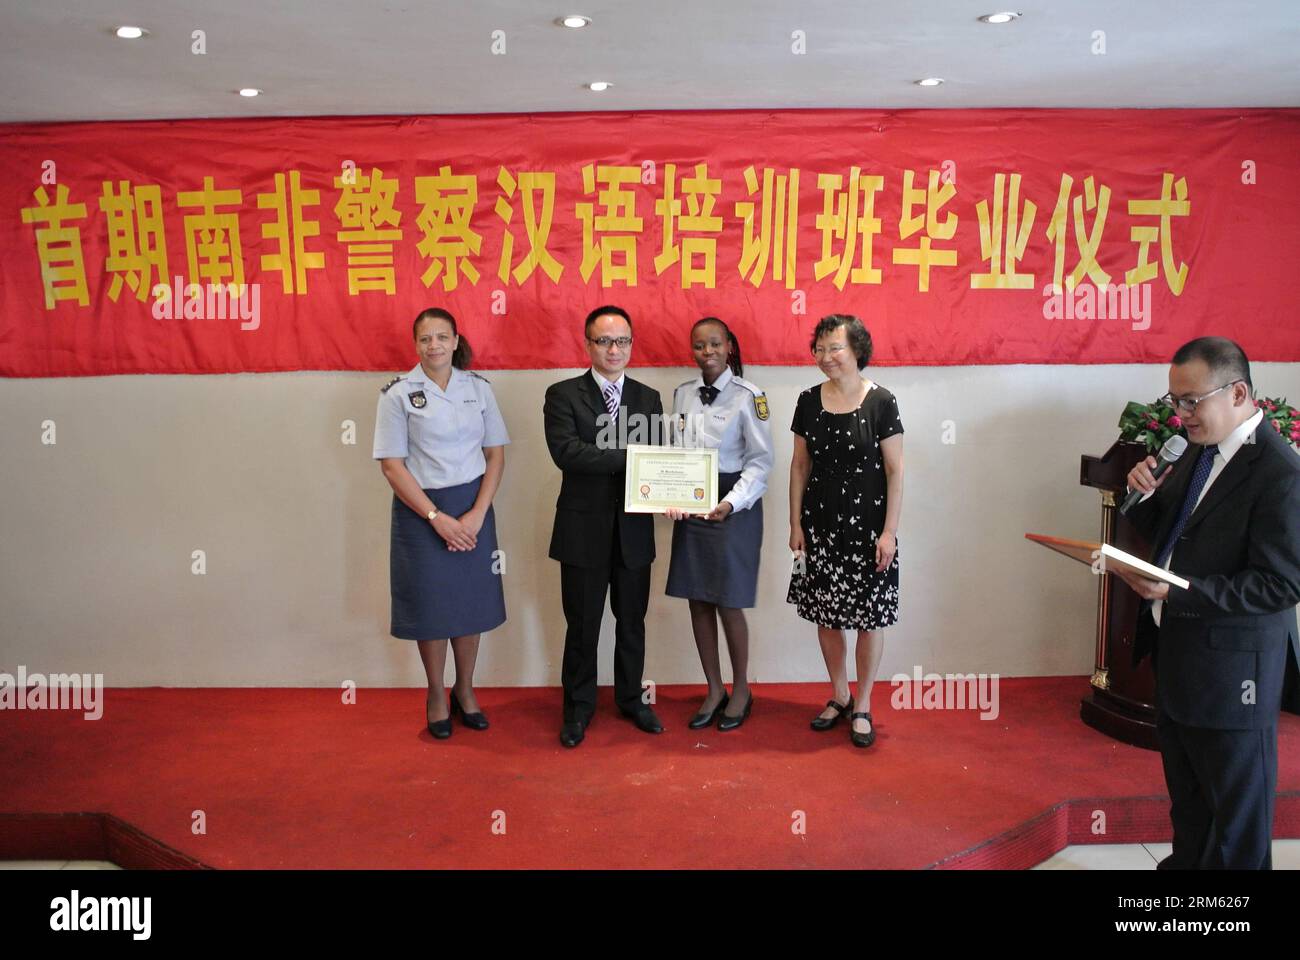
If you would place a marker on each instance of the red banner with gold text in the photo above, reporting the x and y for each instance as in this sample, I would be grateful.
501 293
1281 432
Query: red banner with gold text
961 237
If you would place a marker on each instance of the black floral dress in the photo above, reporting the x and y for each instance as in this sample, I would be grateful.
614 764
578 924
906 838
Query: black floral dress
844 512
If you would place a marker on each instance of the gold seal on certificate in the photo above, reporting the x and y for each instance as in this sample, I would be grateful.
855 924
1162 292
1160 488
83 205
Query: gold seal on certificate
663 477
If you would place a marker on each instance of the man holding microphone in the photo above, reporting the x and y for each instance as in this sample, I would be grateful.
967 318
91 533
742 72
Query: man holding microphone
1226 518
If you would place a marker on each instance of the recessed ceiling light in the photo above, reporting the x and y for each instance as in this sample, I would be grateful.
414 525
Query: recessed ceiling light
130 33
573 21
599 85
1005 17
250 92
929 82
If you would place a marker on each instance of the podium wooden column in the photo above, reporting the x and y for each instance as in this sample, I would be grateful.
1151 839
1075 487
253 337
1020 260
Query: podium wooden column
1122 701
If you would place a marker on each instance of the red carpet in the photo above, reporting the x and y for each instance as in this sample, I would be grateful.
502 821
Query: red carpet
294 778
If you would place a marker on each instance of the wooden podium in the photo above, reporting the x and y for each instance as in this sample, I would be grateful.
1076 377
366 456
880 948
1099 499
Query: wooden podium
1122 702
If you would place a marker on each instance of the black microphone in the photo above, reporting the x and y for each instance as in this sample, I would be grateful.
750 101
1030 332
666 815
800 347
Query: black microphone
1174 448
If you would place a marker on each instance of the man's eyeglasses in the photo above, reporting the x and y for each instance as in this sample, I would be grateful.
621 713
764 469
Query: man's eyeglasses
606 342
1188 404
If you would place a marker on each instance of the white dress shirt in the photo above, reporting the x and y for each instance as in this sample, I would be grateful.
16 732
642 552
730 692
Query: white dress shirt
602 383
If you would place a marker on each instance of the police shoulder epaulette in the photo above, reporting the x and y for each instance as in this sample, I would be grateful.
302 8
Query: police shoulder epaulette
759 397
473 374
384 388
686 383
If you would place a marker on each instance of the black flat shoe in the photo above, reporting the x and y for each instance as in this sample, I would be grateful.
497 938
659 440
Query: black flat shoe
731 723
706 719
645 720
825 723
475 721
572 734
862 739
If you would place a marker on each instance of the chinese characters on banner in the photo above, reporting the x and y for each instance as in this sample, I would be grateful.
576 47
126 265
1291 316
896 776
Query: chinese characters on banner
368 228
955 260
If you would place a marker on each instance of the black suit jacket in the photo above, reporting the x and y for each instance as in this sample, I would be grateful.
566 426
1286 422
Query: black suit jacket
1240 550
591 493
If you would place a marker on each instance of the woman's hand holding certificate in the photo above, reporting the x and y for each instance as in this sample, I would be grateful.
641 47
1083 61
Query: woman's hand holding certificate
678 478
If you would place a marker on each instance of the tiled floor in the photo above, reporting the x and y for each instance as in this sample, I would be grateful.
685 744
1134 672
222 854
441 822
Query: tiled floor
58 865
1094 856
1143 856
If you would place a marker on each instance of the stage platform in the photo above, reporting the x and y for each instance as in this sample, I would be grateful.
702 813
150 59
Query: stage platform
295 778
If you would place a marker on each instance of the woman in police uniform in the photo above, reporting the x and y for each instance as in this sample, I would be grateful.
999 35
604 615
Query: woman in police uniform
440 441
715 555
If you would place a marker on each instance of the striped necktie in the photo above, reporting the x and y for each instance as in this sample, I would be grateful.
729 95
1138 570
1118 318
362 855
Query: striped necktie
1200 474
611 402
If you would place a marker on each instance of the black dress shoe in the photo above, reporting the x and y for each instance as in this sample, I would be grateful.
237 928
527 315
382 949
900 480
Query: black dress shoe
572 734
475 721
645 719
862 739
706 719
825 723
731 723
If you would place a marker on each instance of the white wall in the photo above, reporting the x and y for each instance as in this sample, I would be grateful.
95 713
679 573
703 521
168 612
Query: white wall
98 529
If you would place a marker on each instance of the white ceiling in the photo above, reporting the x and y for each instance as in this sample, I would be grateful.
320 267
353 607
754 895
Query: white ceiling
59 60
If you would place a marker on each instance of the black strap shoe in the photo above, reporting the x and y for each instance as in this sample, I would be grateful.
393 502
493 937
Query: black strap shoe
825 723
706 719
862 739
726 722
475 721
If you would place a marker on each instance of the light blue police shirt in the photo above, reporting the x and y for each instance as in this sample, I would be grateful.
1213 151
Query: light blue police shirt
440 434
736 424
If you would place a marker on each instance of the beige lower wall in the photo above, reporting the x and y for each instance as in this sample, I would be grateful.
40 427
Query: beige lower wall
98 529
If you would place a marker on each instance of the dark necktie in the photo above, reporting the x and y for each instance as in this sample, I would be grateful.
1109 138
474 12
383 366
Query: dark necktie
1200 473
708 394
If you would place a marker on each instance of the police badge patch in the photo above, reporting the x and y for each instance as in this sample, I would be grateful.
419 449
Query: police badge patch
760 407
417 399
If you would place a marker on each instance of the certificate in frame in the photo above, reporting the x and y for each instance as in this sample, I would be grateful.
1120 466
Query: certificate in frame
662 477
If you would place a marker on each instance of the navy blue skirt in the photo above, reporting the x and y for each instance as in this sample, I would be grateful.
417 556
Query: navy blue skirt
438 593
717 562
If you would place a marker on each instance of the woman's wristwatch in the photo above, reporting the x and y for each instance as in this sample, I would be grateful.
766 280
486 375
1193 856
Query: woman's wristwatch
431 514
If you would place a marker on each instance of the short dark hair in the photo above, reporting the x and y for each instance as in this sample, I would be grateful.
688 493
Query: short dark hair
858 335
602 311
462 356
1225 358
